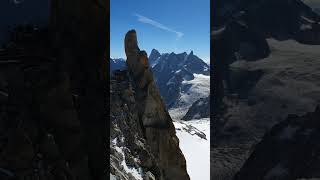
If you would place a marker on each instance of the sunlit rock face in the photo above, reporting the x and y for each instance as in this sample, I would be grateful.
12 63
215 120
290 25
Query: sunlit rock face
150 122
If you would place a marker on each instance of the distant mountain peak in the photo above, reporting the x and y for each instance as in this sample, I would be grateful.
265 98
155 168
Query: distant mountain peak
154 57
172 53
154 51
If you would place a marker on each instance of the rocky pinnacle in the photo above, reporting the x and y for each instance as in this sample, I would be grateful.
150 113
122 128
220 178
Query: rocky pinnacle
157 124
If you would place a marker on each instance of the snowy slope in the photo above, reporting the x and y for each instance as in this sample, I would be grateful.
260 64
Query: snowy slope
195 148
194 135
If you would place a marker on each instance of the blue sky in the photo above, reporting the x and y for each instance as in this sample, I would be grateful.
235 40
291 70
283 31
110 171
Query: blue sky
166 25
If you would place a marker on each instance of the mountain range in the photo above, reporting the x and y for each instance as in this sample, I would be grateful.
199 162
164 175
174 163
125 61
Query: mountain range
117 64
176 76
173 72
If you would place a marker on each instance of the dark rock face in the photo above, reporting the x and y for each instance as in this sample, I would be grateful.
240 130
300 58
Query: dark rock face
39 116
290 150
199 109
150 120
171 69
53 96
83 57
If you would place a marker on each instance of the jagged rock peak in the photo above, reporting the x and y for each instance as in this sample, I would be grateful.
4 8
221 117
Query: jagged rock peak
154 57
155 53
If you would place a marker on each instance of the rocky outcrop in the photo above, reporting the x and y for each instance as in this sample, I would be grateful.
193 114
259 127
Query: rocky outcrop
290 150
199 109
128 146
148 129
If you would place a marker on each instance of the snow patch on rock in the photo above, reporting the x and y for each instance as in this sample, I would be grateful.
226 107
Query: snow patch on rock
136 173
